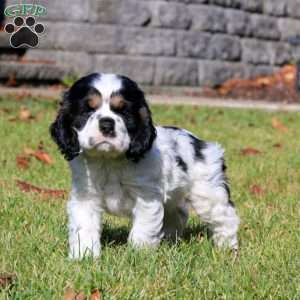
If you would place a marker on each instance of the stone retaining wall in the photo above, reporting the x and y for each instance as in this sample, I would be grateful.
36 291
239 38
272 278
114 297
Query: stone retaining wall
173 43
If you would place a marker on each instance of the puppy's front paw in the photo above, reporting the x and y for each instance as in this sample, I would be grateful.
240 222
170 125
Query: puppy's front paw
78 255
81 249
223 241
141 240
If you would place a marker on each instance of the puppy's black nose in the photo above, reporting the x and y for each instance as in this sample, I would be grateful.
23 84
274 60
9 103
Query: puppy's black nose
107 126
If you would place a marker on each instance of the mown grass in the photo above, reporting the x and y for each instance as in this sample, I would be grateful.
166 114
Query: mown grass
33 232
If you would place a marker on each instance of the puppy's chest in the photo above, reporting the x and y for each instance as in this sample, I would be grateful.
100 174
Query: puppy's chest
114 195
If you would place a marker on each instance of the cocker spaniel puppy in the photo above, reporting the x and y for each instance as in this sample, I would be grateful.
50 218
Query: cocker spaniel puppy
123 165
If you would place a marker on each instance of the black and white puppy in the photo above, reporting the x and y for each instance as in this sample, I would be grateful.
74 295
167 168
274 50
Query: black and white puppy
123 165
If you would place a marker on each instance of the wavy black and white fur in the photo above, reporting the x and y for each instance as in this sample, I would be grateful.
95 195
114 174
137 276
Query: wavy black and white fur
123 165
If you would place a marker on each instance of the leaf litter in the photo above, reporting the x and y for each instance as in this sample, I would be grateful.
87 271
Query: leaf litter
23 160
7 280
249 151
70 294
30 188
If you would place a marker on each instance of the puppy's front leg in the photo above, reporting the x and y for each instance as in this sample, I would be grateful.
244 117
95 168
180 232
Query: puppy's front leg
84 227
147 226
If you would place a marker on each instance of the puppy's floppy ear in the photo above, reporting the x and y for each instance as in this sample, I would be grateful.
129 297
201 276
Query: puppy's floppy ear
143 137
62 132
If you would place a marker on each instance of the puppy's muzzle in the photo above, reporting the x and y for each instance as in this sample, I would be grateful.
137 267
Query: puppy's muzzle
107 127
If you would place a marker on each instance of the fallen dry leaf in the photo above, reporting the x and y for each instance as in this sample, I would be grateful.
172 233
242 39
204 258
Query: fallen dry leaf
43 156
277 124
288 73
278 146
69 294
7 280
95 295
257 190
80 296
29 188
5 110
24 114
22 161
250 151
40 155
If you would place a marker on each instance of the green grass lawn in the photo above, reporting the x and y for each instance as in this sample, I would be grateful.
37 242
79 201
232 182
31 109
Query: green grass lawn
33 230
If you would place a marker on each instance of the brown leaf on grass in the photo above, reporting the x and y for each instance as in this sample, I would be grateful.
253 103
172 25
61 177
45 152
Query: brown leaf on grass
43 156
257 190
95 295
5 110
277 124
29 188
7 280
278 146
22 161
40 155
69 294
80 296
24 114
250 151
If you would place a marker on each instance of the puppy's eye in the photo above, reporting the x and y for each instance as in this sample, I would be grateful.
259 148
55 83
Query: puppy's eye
117 102
94 101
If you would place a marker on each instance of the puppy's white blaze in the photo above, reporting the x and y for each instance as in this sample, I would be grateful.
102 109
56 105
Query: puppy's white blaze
105 111
106 84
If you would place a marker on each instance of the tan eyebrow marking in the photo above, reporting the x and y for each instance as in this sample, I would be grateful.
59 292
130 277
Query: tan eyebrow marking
117 101
94 101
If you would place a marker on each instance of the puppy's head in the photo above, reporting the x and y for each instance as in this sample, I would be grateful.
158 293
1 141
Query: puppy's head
104 115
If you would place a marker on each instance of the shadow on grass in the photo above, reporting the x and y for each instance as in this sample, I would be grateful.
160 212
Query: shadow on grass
195 232
114 235
118 235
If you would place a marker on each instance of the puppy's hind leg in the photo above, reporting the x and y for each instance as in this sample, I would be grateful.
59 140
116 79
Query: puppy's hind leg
215 208
210 197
